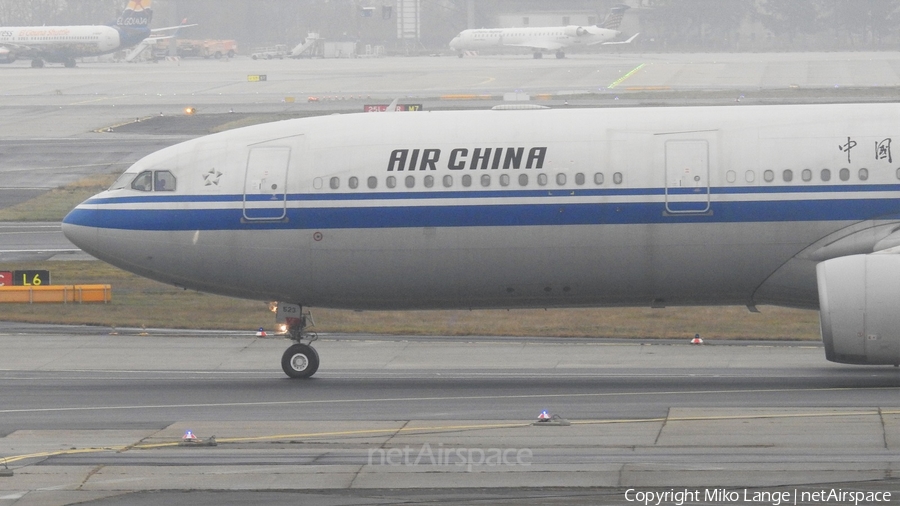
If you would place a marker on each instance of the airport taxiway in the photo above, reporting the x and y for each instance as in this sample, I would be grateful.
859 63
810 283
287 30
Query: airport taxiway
59 102
85 414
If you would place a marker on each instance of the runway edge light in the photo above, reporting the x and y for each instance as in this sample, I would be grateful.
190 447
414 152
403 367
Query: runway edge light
545 419
696 339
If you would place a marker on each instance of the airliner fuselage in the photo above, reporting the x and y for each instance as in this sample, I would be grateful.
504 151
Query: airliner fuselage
56 43
503 209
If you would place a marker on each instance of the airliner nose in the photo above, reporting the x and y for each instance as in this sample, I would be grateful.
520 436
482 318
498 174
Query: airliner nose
79 229
454 43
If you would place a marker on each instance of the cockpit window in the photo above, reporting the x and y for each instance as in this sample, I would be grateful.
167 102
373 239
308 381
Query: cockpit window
143 182
163 181
158 180
122 181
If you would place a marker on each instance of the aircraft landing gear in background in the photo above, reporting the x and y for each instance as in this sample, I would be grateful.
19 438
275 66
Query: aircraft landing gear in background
538 55
300 360
69 63
560 54
37 63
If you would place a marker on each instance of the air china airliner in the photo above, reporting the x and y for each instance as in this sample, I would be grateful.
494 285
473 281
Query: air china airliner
793 205
63 44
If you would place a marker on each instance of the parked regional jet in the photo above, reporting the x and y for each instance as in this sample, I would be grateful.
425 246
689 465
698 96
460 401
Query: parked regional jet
547 38
789 205
63 44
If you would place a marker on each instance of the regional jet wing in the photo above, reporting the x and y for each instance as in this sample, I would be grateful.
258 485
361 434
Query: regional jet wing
621 42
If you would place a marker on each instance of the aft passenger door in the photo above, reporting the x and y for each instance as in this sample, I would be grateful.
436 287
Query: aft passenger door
265 183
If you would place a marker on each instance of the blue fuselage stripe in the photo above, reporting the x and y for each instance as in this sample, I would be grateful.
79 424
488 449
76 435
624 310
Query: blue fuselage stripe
486 215
161 197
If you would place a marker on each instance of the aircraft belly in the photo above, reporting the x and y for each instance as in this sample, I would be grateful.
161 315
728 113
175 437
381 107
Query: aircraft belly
474 267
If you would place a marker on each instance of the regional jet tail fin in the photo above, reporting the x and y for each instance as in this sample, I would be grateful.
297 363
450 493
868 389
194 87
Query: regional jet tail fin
614 17
137 14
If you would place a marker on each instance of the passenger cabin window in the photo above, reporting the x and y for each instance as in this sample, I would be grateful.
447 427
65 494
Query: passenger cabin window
447 181
826 175
391 182
844 174
617 178
467 180
334 183
598 178
863 174
353 182
806 175
579 179
372 182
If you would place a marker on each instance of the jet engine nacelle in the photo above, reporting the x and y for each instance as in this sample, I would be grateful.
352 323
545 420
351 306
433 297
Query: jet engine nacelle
7 55
576 31
859 308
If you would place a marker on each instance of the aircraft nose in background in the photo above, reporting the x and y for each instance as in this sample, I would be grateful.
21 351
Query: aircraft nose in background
454 43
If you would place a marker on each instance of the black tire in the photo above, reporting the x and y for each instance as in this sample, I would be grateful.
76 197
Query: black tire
218 55
231 53
560 55
300 361
538 56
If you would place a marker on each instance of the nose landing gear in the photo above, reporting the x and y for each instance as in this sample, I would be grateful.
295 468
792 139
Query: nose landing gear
300 360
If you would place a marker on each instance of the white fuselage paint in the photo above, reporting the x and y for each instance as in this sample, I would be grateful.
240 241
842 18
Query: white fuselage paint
640 206
70 41
549 38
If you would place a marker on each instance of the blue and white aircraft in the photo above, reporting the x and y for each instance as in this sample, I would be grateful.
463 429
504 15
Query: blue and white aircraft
793 205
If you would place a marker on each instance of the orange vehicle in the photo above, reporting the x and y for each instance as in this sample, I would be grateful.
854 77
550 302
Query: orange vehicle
205 48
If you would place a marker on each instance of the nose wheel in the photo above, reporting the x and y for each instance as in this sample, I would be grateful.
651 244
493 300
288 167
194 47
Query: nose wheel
300 361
